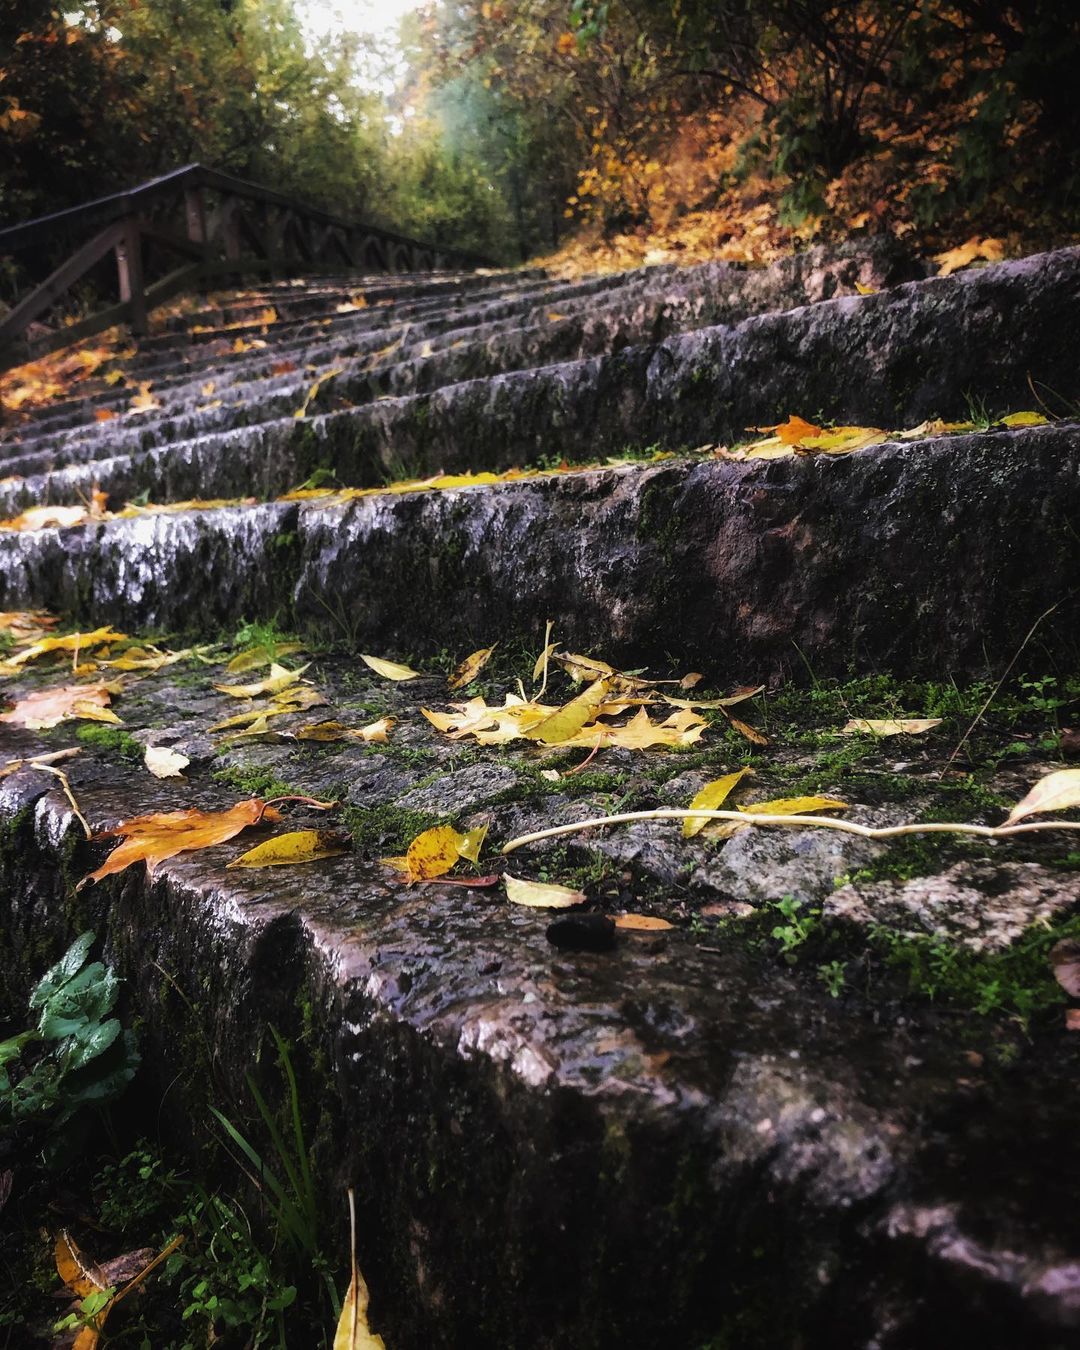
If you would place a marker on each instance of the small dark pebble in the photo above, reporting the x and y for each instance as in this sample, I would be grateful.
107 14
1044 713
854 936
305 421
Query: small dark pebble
582 933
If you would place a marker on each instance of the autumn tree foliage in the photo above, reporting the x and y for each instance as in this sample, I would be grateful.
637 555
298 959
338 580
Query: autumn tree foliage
928 118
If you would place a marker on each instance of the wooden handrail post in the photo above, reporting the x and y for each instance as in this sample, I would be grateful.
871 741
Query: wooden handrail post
130 271
195 210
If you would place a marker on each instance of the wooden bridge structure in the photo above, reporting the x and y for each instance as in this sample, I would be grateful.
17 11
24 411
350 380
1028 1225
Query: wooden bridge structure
177 233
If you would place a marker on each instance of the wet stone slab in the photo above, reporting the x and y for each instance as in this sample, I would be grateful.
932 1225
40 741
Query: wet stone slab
694 1110
927 556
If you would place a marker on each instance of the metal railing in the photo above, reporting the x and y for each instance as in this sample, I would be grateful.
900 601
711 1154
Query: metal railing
219 226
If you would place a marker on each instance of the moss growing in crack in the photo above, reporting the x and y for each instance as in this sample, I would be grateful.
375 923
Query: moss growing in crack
1017 982
109 738
254 781
385 829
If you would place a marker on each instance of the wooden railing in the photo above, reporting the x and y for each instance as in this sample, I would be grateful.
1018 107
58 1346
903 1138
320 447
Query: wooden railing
220 227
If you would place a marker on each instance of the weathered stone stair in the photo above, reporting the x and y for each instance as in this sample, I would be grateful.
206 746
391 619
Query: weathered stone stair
682 1139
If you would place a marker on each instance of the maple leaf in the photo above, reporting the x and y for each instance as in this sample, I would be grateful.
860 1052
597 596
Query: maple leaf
49 707
991 250
161 835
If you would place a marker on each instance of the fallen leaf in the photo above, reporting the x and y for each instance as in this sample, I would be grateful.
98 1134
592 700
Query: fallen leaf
278 680
154 838
739 696
710 798
1024 419
471 842
298 846
541 894
865 290
991 250
1065 962
24 623
353 1331
47 517
471 667
794 806
48 707
641 923
433 853
1056 792
337 731
903 726
104 415
70 642
746 731
564 724
253 658
390 670
165 763
144 400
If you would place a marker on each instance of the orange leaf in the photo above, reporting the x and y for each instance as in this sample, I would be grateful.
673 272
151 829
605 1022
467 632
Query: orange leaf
154 838
48 707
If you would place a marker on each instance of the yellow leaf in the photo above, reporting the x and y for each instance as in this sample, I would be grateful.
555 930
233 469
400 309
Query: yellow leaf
899 726
865 290
641 923
471 667
581 668
390 670
250 718
794 806
471 842
739 696
433 853
1025 419
81 1275
278 680
165 763
992 250
840 441
144 400
565 723
297 698
154 838
540 894
69 643
47 517
353 1331
711 798
1056 792
298 846
745 730
337 731
48 707
255 657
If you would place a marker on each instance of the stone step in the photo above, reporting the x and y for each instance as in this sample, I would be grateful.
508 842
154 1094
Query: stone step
654 301
762 563
925 349
680 1140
